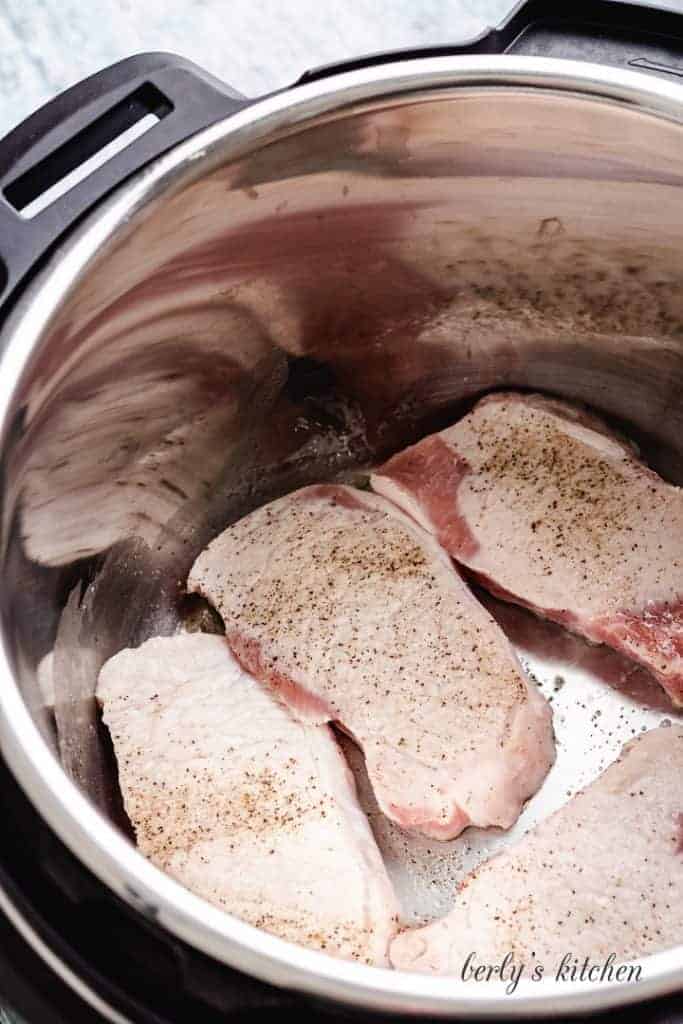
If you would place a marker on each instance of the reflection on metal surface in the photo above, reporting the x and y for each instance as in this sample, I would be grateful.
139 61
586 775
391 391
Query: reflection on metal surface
293 313
61 969
8 1016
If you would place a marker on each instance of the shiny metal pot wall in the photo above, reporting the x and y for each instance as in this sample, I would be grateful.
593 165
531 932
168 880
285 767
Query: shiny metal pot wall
286 297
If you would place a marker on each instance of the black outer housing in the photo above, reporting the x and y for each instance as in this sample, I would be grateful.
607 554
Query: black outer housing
122 954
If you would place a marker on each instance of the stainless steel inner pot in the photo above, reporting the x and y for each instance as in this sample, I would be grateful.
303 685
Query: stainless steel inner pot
287 297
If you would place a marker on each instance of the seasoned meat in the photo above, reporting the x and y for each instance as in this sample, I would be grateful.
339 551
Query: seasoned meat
353 614
600 877
549 508
244 805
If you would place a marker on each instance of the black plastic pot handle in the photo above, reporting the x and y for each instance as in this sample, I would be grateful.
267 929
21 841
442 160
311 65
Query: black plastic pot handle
61 136
606 31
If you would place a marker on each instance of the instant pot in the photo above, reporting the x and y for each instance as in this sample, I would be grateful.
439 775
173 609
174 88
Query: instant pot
209 300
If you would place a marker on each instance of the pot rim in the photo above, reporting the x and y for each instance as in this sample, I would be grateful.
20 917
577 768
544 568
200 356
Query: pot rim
90 836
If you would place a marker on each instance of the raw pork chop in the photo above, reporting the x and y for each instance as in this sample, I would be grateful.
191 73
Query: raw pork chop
601 876
552 510
244 805
354 614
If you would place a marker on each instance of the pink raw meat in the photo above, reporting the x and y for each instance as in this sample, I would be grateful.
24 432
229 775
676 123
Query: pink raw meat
600 878
551 509
250 809
352 613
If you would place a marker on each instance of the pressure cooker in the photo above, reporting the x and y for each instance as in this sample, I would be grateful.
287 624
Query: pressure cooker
208 300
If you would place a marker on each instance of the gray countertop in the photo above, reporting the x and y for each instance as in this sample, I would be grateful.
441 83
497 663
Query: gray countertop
256 45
